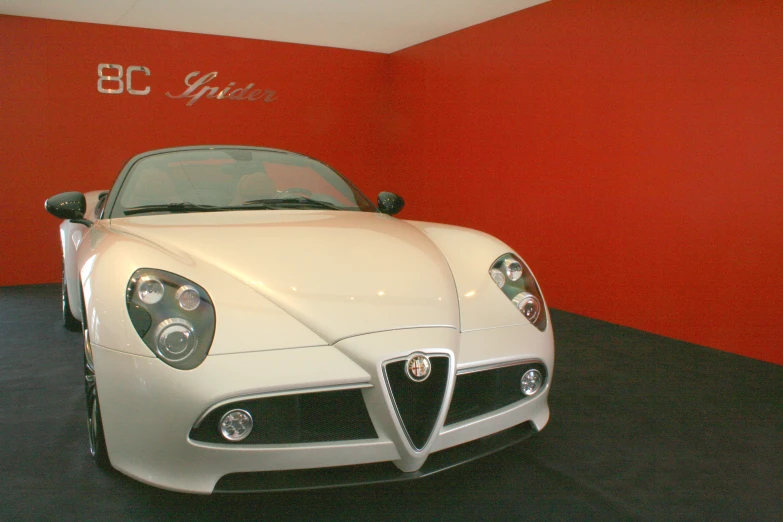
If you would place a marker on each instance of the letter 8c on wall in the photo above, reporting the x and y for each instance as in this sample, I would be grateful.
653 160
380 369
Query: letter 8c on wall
121 87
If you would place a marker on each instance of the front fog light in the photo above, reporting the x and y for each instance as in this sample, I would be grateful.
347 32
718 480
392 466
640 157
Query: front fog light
175 339
531 382
188 298
513 269
529 305
150 290
236 425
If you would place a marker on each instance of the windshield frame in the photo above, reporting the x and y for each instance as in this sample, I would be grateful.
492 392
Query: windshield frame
112 210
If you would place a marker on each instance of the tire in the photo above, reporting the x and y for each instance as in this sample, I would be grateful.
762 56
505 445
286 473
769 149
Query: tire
98 451
69 321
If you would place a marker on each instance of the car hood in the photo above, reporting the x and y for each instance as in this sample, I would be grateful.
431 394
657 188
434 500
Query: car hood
339 273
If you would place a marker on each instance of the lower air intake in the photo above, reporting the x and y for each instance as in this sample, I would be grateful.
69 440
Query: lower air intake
485 391
290 419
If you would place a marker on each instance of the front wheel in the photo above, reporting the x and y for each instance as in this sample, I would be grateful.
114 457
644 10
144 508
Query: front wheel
98 450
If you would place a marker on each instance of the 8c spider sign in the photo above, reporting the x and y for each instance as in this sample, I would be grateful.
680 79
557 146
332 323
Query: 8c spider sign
112 81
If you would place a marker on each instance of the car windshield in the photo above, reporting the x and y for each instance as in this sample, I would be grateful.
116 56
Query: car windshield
219 179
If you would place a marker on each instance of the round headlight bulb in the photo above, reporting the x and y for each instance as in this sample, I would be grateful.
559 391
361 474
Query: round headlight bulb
175 339
529 305
236 425
531 382
188 298
513 269
498 277
149 289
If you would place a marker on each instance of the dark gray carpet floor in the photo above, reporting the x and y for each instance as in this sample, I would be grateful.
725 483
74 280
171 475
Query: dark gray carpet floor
643 428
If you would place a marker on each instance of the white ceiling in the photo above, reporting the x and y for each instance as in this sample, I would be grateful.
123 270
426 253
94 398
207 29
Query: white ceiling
369 25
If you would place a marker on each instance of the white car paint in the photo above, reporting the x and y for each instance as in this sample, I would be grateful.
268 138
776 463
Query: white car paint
149 407
304 300
70 238
338 273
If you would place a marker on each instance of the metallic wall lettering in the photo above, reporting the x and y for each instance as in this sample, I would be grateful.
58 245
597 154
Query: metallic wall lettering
106 78
102 78
132 69
111 81
198 88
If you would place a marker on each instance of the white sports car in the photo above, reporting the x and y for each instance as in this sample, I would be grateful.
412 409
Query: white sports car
253 322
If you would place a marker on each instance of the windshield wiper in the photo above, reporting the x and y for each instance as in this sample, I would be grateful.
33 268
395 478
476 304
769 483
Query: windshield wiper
247 205
292 202
172 207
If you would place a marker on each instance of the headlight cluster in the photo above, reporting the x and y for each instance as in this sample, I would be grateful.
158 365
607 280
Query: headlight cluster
172 315
513 277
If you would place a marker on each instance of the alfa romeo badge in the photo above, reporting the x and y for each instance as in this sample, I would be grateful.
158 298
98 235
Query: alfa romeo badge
418 368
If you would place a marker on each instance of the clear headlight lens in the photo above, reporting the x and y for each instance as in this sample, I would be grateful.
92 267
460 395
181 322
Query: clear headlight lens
175 339
498 277
173 316
149 289
513 268
515 280
188 298
528 305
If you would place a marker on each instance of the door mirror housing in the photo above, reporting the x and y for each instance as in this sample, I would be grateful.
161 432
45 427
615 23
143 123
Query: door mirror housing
390 203
68 205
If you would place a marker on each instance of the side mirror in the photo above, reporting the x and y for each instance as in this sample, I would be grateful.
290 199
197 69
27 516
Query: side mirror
68 205
390 203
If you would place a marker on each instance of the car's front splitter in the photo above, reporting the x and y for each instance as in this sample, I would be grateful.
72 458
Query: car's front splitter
377 473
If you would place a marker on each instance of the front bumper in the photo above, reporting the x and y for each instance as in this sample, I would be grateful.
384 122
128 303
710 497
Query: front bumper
149 409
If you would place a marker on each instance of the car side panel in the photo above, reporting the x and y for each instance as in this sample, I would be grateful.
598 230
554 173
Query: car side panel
71 235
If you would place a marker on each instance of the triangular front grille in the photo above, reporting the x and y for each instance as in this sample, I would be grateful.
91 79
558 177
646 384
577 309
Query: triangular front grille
418 404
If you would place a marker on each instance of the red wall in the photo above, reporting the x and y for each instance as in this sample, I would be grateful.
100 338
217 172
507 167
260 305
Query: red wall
631 151
59 133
